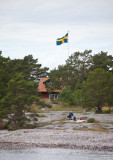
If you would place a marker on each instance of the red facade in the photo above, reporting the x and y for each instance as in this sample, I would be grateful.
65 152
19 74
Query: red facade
44 95
42 89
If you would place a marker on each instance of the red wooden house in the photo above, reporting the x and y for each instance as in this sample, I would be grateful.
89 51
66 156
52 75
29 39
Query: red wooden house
42 89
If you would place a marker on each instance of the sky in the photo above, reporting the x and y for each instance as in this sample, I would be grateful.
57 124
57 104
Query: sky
32 27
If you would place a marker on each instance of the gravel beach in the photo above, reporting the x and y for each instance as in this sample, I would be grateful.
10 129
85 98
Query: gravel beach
59 135
56 139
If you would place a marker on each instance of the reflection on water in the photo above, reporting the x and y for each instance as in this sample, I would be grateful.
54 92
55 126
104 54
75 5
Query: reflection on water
54 154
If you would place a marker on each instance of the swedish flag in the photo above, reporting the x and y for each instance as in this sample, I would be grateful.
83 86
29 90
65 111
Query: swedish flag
64 39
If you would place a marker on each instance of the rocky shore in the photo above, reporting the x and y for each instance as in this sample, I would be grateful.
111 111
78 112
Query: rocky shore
52 138
58 132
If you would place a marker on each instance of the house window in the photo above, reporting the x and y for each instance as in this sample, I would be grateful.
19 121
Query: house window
53 96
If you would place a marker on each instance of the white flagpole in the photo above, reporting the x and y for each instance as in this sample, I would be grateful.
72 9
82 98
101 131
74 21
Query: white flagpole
68 44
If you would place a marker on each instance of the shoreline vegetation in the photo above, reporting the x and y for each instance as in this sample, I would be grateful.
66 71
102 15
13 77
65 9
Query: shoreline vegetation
84 80
56 131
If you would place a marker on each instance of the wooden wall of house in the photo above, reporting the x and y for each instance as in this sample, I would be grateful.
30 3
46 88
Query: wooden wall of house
44 95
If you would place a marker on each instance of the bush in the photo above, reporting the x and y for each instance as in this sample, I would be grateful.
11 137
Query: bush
66 96
107 112
98 112
103 112
43 104
78 97
91 120
54 101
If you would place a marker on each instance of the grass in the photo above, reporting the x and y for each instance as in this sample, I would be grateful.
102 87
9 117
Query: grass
41 116
106 108
43 124
95 129
65 108
58 107
98 129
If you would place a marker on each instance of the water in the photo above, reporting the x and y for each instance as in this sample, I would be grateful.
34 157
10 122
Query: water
54 154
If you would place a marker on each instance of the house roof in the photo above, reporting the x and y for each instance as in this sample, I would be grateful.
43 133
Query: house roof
42 85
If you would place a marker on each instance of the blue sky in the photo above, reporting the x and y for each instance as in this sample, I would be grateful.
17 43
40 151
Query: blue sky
32 27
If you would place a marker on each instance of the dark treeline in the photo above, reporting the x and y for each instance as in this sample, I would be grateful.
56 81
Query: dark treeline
18 87
86 79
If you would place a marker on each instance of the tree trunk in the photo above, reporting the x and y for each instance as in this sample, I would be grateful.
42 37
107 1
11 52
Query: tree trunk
99 108
1 125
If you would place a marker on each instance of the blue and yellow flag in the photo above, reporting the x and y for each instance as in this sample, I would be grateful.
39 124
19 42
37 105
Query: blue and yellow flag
64 39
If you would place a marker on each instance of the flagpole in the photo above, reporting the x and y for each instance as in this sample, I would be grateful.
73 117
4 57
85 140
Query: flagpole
68 44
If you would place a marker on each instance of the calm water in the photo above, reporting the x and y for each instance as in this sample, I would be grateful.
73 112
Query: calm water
54 154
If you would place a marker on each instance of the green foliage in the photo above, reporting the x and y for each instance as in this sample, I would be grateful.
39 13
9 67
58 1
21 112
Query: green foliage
4 75
91 120
97 89
77 68
20 96
43 104
74 72
104 111
107 111
78 97
84 79
102 60
55 79
18 88
66 96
